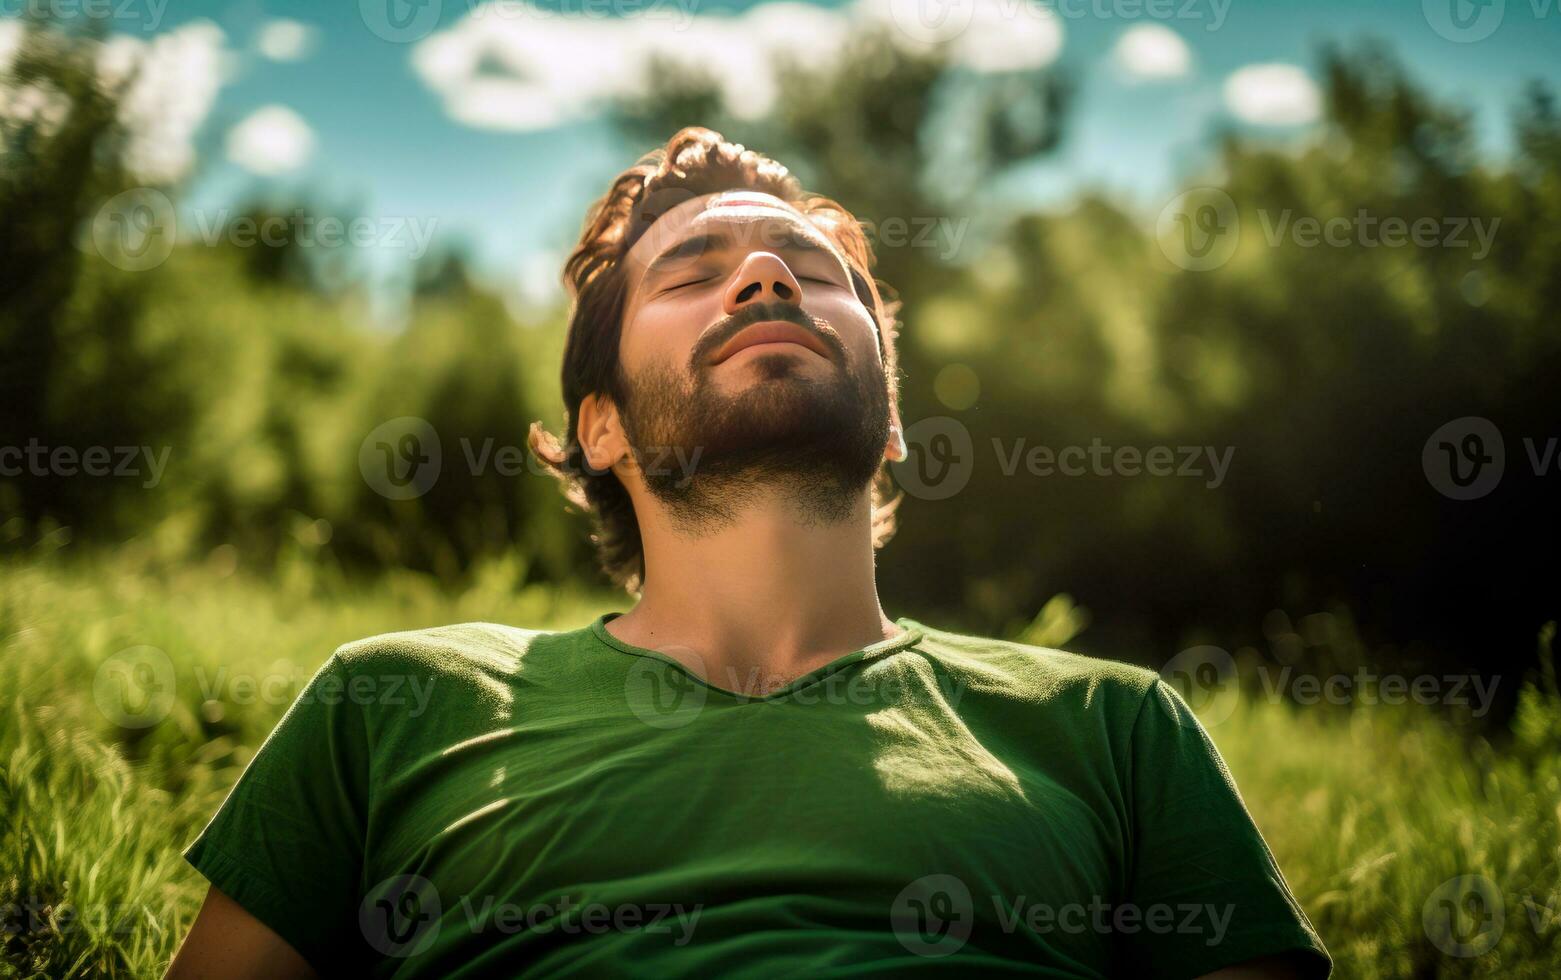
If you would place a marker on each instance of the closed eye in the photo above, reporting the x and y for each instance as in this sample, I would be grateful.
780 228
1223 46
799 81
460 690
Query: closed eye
691 282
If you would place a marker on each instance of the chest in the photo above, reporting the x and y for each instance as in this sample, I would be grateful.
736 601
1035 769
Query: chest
855 800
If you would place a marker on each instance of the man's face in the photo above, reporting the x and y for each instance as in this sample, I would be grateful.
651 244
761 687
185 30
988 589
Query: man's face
744 341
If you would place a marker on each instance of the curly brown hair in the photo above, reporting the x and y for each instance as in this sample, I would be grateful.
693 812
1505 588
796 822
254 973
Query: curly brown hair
694 162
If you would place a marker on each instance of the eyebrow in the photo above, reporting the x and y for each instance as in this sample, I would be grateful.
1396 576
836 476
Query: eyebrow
790 239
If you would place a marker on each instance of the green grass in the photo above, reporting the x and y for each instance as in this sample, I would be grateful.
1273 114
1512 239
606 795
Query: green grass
1368 811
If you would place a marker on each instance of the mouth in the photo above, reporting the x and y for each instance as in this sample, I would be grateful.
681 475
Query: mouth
771 333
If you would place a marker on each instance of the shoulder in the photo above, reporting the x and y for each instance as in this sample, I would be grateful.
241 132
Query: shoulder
453 649
1041 674
465 661
414 680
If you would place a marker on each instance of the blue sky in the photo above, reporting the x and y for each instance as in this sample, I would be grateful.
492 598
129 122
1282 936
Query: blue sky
411 126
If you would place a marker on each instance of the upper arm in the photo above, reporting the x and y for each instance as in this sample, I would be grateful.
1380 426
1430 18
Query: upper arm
287 844
228 942
1197 852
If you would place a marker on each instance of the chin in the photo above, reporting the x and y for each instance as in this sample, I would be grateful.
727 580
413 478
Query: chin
777 365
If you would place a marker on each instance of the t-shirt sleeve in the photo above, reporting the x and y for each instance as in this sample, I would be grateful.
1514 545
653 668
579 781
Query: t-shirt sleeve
1197 852
287 844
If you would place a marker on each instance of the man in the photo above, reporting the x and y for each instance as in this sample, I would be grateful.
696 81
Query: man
755 770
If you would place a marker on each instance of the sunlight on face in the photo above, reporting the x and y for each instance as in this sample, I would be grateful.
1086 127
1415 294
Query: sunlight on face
745 342
712 256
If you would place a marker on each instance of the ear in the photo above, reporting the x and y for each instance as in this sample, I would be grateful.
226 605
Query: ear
896 451
600 432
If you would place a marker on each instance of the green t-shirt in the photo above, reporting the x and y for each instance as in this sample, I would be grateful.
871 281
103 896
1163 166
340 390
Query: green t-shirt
482 799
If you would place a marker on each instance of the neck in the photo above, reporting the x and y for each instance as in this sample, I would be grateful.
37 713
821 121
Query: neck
762 599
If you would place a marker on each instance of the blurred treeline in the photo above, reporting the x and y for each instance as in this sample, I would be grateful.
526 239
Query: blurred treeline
259 365
1325 368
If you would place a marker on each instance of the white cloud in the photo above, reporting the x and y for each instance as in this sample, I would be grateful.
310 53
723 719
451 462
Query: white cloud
10 40
987 35
166 87
536 282
286 40
272 140
1152 52
1273 95
509 65
173 82
1008 35
42 105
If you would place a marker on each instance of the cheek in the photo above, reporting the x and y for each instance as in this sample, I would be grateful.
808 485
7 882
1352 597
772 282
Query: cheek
857 328
659 335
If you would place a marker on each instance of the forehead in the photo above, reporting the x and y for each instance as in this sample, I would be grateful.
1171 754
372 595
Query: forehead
750 218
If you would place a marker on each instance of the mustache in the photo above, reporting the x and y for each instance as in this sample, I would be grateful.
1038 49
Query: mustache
725 329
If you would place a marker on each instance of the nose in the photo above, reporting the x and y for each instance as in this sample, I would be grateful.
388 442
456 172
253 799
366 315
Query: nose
762 278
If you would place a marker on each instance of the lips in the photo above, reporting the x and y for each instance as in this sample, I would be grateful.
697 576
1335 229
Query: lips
771 332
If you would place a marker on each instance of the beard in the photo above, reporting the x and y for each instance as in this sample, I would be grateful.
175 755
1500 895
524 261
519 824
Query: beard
704 453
